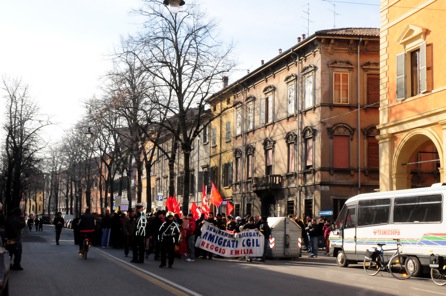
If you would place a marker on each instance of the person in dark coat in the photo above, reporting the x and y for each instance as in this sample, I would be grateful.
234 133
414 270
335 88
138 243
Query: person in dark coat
139 236
75 226
128 230
266 231
169 235
14 226
314 231
58 223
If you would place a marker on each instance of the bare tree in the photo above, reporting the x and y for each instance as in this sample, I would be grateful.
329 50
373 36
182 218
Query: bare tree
23 142
185 63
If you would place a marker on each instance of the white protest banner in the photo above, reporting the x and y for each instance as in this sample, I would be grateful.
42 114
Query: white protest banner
246 243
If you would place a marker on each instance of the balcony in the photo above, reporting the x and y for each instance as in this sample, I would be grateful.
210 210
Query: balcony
270 182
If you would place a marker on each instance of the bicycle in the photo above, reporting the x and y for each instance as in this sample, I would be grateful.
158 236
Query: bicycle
438 270
85 247
374 262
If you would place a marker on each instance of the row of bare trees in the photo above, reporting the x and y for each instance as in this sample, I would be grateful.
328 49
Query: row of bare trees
154 94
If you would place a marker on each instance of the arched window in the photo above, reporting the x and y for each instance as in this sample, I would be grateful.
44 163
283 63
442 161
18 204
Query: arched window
341 136
291 139
308 135
268 146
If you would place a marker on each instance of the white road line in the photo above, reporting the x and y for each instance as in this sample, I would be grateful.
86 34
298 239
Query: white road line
151 274
428 291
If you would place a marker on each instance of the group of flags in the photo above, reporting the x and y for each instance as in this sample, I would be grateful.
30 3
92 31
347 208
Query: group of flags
215 199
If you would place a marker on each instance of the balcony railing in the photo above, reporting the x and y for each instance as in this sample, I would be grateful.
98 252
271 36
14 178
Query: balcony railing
269 182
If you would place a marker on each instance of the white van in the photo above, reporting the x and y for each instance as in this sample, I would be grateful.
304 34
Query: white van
415 216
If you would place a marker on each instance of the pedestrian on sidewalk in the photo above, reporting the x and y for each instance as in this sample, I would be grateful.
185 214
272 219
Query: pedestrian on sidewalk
14 226
58 225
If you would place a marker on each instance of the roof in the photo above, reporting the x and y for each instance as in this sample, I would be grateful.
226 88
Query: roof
372 32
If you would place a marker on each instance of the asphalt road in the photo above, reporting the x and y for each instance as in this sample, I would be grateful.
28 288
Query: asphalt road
51 269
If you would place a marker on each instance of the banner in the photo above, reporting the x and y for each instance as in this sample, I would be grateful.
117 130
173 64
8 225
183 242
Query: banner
246 243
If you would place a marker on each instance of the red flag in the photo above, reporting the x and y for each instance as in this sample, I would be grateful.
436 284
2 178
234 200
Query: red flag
216 199
195 211
204 203
170 204
229 208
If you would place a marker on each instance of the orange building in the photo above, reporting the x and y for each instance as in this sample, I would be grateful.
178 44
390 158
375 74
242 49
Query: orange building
412 110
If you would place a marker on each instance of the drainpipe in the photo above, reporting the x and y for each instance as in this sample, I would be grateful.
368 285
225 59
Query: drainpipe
359 116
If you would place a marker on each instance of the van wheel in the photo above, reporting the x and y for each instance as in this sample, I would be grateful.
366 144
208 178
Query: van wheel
413 266
341 259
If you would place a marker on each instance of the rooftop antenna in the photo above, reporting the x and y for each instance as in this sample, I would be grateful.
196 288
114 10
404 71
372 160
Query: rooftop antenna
307 12
334 12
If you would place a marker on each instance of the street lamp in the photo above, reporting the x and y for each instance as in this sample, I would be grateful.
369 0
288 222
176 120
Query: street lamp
174 3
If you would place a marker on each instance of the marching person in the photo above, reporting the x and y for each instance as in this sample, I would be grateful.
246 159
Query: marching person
58 225
139 237
169 235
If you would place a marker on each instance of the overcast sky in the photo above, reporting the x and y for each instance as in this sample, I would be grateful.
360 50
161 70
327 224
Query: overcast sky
60 48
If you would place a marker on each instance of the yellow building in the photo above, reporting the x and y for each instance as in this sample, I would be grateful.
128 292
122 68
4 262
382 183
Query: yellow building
412 91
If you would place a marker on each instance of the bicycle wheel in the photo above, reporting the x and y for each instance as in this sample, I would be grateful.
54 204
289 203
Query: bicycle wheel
397 268
438 277
85 250
371 266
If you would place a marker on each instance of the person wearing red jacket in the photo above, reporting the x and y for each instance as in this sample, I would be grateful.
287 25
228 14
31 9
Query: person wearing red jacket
190 238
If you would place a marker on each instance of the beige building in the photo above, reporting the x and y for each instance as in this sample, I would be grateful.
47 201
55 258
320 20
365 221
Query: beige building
297 135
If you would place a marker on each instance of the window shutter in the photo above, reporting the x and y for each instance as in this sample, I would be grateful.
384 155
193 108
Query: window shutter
341 153
262 111
423 77
230 174
270 108
400 77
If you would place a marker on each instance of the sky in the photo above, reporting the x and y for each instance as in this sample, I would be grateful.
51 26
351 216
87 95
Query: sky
61 49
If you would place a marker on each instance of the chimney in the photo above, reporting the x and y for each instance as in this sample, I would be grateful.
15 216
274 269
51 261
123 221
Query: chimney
303 36
225 81
262 62
280 51
299 39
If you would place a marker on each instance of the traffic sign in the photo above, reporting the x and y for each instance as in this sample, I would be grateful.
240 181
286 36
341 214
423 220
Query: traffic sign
159 197
325 213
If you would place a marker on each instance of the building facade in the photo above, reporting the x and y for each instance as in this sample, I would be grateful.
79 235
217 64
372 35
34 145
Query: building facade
298 134
412 111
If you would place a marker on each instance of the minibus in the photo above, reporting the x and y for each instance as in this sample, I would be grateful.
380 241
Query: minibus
415 216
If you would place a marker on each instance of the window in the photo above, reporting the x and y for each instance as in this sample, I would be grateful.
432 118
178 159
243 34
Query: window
350 219
268 146
308 91
290 207
238 121
416 209
269 162
214 177
214 136
341 85
291 98
341 135
266 110
372 89
373 211
291 152
372 148
206 134
237 210
250 117
413 66
249 161
227 174
248 208
228 132
308 135
237 157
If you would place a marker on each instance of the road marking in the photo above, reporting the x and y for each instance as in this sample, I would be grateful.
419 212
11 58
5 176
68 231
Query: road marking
170 286
428 291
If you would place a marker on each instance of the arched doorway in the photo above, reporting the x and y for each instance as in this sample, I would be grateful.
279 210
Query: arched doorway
417 161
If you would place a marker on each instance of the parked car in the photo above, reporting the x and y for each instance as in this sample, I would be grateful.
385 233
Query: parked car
5 265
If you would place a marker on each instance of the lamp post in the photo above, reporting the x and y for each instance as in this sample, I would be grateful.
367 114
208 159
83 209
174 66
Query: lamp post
173 5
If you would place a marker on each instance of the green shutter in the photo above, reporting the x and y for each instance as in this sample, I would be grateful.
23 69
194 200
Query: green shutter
400 77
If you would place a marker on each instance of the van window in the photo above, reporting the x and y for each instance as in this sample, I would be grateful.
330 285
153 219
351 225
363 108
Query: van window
374 211
339 224
418 209
350 220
